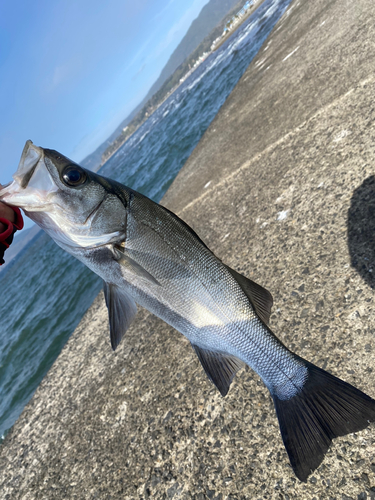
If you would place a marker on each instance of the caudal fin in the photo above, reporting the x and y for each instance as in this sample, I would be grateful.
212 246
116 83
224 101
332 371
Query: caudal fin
325 408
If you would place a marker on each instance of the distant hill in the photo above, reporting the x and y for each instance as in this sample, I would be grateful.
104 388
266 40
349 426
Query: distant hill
209 17
210 21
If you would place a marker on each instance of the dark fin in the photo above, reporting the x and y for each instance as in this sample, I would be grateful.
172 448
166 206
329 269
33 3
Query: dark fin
260 298
325 408
220 368
121 311
133 266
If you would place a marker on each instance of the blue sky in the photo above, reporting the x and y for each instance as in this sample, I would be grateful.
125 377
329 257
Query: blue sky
72 70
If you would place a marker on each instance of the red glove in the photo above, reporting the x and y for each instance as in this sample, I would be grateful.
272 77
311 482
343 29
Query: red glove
6 237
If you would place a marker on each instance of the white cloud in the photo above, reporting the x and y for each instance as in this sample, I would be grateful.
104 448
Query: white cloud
164 9
62 73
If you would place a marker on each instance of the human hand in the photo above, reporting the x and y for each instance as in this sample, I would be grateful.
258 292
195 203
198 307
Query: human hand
10 221
7 213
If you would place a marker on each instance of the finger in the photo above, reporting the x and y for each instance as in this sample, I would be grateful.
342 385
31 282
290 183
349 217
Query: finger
7 213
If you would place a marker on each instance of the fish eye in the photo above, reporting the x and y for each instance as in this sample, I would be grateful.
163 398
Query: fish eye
73 176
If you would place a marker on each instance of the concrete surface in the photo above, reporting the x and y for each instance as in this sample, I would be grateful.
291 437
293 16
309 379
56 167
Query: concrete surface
291 204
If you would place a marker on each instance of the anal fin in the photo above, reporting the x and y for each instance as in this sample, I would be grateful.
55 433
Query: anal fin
220 368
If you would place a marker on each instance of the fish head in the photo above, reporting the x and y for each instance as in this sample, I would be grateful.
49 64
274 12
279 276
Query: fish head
77 207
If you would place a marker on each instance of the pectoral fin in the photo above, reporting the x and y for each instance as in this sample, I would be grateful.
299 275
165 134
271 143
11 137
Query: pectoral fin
121 311
132 266
220 368
260 298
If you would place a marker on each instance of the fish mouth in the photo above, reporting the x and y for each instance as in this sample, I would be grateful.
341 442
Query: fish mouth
29 160
32 181
5 186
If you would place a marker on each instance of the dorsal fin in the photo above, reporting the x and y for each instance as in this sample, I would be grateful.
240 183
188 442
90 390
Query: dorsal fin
220 368
260 298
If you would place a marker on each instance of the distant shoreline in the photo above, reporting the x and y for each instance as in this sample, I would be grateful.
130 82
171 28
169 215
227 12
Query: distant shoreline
251 11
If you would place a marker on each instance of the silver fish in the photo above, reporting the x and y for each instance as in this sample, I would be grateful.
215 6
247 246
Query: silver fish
145 254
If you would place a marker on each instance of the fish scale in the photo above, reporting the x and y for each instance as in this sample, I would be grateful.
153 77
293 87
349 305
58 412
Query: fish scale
146 255
239 330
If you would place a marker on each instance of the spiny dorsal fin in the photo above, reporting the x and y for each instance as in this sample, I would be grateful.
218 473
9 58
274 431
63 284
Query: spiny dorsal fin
260 298
121 311
220 368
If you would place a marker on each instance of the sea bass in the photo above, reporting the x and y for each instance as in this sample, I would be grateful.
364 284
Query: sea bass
146 255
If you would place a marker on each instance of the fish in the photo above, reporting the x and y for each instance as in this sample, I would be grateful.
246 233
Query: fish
147 255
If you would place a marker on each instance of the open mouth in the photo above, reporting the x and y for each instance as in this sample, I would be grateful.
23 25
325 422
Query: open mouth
4 186
29 161
32 182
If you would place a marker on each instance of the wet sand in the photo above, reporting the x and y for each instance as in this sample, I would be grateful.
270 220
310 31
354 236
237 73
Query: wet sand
281 187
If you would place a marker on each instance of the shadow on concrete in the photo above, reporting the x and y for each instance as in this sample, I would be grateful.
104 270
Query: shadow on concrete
361 230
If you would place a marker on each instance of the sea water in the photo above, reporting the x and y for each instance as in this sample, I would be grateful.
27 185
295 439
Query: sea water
46 291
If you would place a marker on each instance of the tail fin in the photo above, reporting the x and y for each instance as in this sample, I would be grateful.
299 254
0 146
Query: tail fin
325 408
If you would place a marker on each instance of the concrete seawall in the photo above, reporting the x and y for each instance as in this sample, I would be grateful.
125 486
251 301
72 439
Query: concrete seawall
282 188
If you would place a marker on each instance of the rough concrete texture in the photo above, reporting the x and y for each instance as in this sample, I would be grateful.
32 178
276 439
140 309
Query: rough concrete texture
291 204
